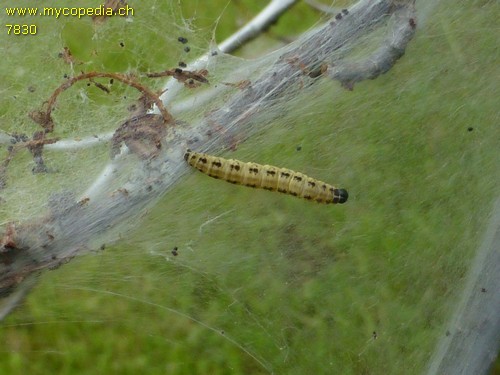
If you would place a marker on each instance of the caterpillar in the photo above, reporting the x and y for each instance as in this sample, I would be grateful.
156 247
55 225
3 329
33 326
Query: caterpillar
266 177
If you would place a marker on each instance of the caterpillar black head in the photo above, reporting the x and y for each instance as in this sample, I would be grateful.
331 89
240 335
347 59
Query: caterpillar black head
340 196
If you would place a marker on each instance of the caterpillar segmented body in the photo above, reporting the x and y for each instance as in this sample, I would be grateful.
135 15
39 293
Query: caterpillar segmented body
266 177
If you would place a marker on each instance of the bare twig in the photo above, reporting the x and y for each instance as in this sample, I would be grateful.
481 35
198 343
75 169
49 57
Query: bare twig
259 23
188 78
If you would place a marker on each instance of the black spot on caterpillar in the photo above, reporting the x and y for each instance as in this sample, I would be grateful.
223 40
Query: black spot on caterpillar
266 177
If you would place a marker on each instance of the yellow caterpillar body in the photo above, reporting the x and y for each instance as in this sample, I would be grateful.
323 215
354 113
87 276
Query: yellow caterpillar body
266 177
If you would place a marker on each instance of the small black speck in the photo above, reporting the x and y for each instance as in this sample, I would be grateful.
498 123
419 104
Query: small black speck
88 84
182 40
122 44
103 246
182 64
178 70
174 251
214 53
448 333
483 290
187 49
31 89
338 16
345 11
111 81
298 148
470 128
65 76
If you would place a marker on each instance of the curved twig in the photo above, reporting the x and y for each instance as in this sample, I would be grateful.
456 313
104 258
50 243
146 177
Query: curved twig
44 118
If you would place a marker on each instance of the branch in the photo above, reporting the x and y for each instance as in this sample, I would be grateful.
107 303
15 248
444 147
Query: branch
259 23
